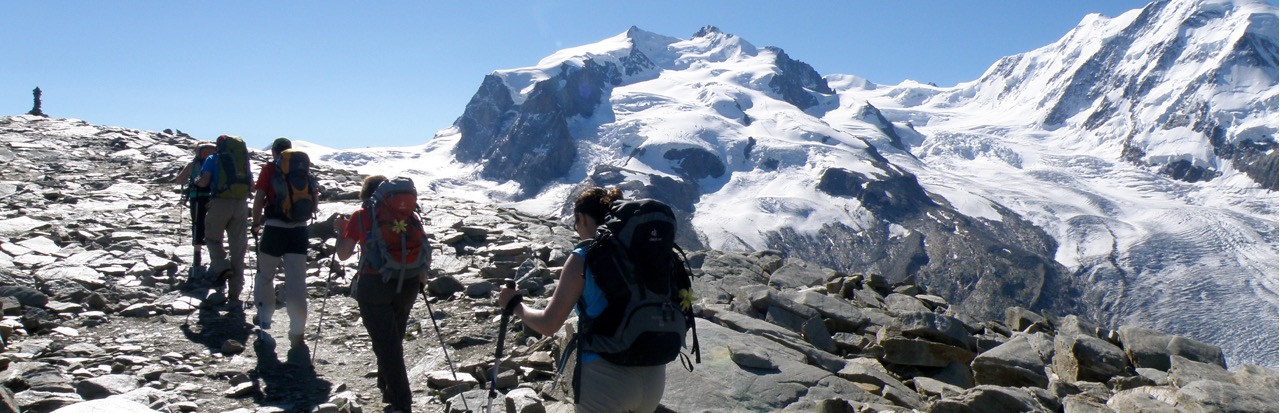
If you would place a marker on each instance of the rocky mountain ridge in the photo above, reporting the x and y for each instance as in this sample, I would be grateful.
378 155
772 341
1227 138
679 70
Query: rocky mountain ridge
1062 180
100 313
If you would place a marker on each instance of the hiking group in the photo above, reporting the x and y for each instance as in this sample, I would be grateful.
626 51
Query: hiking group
626 280
219 184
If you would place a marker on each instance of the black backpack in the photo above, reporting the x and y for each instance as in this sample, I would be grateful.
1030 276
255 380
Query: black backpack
636 263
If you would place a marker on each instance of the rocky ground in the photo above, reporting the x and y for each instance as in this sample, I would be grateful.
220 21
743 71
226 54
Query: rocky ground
102 310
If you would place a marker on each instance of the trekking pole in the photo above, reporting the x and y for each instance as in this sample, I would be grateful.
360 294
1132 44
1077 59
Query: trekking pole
497 355
334 268
432 315
252 298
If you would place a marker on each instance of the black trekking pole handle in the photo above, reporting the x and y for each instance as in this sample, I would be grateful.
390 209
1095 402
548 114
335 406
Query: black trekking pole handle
502 335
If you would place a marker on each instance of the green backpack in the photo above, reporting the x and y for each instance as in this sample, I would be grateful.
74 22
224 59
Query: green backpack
233 176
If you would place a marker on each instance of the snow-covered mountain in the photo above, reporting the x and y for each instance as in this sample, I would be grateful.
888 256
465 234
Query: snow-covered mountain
1127 171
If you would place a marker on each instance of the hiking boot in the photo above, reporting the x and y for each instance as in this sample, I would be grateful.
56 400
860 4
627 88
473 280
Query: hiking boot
216 299
264 338
297 340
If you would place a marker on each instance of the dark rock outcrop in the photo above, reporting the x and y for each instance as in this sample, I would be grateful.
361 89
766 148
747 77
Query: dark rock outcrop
530 143
796 81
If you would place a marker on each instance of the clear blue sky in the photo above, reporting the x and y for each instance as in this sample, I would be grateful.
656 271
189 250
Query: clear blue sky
390 73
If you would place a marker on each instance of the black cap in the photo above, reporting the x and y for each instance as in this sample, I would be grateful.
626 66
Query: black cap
281 144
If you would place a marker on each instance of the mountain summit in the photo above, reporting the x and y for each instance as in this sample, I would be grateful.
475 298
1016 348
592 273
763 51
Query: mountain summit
1125 172
1188 87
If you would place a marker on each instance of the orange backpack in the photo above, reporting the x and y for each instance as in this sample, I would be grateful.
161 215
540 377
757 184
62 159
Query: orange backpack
396 246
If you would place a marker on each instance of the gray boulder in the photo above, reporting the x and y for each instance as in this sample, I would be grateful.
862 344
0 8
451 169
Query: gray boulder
841 315
933 327
524 400
1151 349
719 383
922 353
782 336
1018 318
27 296
934 388
1197 351
902 304
7 402
1020 362
1215 396
796 275
1082 357
38 401
445 286
105 386
110 405
1145 399
992 399
787 313
1183 372
1081 404
870 371
1261 379
868 297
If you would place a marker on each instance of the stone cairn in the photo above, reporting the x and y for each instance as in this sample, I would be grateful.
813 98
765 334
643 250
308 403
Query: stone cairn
96 301
35 106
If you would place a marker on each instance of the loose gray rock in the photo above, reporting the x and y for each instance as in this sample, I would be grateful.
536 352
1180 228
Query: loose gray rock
1196 351
1146 347
1019 319
1183 372
445 286
841 316
751 358
1081 404
866 370
992 399
1087 358
1144 399
37 401
714 384
1017 363
797 275
105 386
26 296
902 304
934 388
523 400
1215 396
933 327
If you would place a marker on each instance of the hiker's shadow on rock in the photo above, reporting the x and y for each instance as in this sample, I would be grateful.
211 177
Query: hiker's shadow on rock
216 327
292 385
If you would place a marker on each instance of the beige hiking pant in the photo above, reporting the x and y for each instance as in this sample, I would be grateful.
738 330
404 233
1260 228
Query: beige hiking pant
608 387
229 217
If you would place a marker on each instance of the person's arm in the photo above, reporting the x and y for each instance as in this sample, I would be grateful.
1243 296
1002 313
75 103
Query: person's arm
184 175
206 172
548 321
346 245
346 248
259 200
260 196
